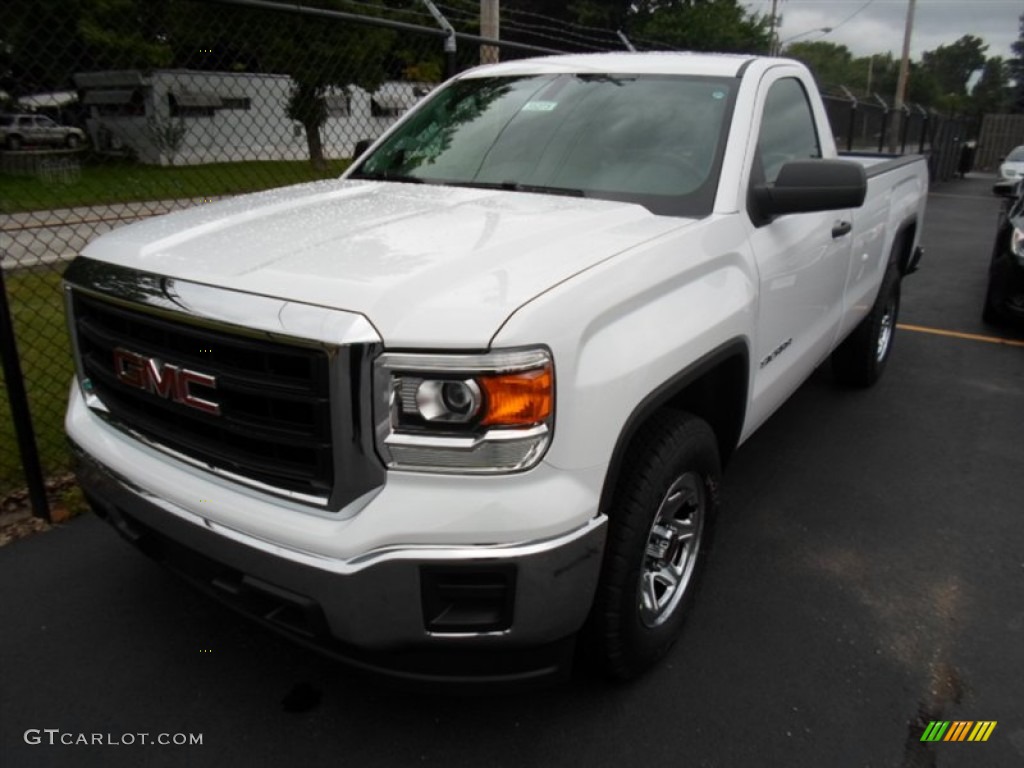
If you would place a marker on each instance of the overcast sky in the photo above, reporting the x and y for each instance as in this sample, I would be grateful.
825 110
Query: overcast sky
877 26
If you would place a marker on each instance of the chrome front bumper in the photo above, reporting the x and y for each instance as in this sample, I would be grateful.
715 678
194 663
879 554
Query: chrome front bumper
372 610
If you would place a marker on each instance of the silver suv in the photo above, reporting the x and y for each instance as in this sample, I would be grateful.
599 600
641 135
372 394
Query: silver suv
17 131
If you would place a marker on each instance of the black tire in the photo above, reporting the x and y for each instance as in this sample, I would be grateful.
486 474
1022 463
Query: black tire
671 477
990 314
14 143
860 360
73 141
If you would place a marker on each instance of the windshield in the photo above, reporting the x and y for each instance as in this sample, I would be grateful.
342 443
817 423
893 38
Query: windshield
1016 156
653 140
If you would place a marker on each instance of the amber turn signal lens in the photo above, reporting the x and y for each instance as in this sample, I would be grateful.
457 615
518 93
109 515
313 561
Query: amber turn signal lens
517 399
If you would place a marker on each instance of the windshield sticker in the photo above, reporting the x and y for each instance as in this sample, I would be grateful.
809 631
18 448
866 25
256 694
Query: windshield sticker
540 106
718 95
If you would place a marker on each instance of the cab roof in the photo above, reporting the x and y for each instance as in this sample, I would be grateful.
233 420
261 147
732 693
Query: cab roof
659 63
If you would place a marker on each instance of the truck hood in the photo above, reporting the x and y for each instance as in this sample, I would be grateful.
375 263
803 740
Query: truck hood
425 264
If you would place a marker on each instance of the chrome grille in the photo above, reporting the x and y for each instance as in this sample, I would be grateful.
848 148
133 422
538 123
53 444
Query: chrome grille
275 425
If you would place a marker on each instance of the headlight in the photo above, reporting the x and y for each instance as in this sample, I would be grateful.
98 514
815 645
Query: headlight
1017 244
481 414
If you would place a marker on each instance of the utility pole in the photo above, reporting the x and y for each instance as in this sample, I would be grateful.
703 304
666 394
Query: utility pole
490 15
773 29
901 83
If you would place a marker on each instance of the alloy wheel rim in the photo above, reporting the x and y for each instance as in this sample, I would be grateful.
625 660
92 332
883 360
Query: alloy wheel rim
885 331
673 544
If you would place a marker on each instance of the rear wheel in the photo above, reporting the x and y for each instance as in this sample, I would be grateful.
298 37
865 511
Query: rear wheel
14 143
860 360
662 515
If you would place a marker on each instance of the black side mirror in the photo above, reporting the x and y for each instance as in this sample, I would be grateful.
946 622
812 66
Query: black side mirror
361 146
806 186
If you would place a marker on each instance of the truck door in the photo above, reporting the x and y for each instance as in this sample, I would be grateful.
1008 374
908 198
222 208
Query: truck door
802 259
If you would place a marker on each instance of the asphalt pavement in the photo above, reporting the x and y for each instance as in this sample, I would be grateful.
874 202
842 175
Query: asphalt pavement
867 577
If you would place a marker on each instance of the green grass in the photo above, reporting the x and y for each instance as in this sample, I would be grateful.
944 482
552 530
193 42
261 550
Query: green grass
38 315
123 182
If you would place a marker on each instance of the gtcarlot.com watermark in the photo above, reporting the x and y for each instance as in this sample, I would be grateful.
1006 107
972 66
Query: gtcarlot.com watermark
56 737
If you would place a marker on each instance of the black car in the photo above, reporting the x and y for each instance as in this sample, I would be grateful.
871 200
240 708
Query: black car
1004 299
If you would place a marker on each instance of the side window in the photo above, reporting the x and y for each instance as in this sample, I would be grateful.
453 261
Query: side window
787 128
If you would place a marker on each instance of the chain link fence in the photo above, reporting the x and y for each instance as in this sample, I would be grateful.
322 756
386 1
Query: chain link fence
871 125
116 111
111 117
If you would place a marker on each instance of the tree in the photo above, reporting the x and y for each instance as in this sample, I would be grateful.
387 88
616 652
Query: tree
41 45
124 34
610 14
874 74
167 135
1016 68
831 64
953 65
702 25
993 94
922 88
319 54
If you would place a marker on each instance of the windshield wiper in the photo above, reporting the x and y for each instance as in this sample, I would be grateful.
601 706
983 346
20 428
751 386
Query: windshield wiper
510 186
515 186
386 176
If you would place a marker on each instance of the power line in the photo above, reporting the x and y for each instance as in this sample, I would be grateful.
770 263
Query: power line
509 12
386 10
837 26
564 33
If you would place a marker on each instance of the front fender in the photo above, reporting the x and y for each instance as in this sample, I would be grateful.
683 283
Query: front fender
625 327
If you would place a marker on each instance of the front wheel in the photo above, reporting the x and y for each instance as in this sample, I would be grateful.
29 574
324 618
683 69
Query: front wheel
73 141
989 313
662 515
860 360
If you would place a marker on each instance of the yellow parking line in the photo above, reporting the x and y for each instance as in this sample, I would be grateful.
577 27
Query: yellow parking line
959 335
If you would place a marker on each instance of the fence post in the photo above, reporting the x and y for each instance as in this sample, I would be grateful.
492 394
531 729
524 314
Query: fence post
20 415
451 68
925 120
853 117
904 128
884 133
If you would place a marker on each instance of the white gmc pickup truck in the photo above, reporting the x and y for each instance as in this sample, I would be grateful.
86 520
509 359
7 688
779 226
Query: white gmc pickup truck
467 405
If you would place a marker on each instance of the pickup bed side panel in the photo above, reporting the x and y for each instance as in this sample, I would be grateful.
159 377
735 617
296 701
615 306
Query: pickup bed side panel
895 200
625 327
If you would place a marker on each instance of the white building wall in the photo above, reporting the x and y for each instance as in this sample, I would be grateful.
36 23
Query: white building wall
252 122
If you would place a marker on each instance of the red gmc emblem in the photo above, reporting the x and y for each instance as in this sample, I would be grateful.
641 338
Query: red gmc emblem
171 382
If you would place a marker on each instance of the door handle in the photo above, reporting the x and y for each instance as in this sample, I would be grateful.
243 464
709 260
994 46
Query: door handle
840 228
